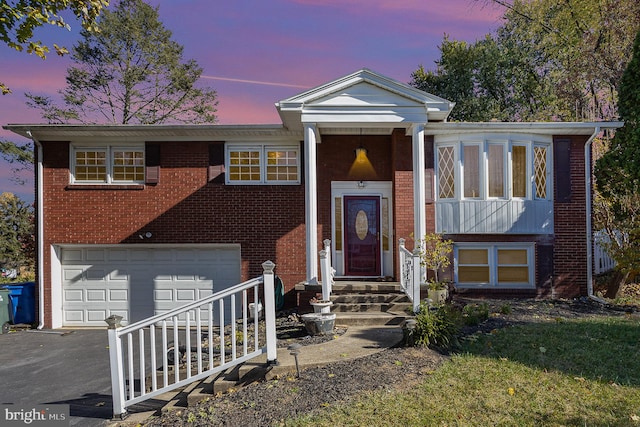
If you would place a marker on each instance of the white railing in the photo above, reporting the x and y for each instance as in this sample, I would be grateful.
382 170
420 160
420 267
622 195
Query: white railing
410 274
326 270
601 258
190 343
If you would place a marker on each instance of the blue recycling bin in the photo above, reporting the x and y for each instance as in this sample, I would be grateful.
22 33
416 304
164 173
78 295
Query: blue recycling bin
22 307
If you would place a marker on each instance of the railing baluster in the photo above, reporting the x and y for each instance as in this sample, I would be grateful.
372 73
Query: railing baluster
221 328
255 320
233 326
245 306
153 355
199 339
142 364
187 340
130 364
176 351
210 325
165 360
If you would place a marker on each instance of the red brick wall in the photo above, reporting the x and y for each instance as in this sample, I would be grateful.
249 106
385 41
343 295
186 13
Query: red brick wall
570 244
267 221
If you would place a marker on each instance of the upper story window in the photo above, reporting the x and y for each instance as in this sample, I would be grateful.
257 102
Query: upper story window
263 164
482 169
107 165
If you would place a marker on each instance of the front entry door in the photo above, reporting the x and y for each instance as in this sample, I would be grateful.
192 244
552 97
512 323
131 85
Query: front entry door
362 235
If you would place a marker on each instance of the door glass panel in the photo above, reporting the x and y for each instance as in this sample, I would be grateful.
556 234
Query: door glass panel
337 240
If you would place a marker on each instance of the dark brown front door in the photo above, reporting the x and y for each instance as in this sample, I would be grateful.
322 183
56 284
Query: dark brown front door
362 235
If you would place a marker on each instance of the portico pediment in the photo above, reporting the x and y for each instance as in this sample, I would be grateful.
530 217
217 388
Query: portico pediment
360 98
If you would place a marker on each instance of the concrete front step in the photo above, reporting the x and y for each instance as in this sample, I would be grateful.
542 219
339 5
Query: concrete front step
362 298
371 308
370 318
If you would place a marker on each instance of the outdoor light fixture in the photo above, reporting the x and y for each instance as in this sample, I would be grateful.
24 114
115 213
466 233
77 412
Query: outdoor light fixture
361 169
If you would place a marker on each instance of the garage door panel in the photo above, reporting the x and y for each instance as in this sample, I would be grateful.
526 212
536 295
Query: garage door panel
96 274
97 295
94 255
137 283
118 295
74 295
95 316
73 275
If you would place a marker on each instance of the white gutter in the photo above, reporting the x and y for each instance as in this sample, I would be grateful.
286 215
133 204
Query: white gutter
39 231
588 189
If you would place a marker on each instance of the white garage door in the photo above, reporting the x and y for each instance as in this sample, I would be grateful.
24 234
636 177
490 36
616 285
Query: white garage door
138 282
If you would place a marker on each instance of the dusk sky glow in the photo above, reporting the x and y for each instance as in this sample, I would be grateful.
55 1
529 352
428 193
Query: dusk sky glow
257 52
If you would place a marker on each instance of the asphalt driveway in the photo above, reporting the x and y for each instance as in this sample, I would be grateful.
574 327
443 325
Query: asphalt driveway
69 367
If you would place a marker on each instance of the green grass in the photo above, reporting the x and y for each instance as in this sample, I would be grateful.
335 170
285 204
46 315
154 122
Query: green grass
564 373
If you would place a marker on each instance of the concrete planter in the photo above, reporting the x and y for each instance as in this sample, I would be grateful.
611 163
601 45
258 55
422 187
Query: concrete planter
319 323
321 306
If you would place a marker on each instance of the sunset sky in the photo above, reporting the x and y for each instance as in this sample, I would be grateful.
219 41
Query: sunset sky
257 52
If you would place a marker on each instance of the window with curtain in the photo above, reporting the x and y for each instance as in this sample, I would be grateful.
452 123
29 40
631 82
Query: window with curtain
471 165
519 171
496 170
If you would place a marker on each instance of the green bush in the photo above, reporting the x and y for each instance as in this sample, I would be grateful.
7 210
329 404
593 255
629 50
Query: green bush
436 327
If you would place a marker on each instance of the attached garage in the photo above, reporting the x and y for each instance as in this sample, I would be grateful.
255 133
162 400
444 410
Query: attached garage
137 282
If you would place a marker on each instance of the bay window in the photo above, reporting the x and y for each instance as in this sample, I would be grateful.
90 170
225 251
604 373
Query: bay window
476 168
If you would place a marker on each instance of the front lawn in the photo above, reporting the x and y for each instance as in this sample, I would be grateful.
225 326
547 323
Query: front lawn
583 372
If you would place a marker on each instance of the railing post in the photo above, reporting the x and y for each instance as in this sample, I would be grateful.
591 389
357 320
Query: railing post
270 312
117 367
330 271
401 255
417 278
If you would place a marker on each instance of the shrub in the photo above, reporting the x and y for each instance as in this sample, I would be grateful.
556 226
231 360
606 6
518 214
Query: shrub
436 327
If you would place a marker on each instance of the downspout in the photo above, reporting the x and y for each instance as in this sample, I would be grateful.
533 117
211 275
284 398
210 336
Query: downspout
588 189
39 231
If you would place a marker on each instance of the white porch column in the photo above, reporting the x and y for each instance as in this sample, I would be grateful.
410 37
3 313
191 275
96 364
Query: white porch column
419 195
311 201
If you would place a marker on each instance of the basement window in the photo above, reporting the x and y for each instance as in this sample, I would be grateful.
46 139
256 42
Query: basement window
479 265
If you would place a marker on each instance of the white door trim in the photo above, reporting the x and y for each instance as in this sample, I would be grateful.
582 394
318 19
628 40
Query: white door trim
383 189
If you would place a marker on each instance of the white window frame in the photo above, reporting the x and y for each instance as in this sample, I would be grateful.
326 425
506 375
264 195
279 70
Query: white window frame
493 249
262 148
109 150
528 141
456 176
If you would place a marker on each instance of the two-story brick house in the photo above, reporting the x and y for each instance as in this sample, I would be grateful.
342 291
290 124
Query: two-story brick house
136 219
